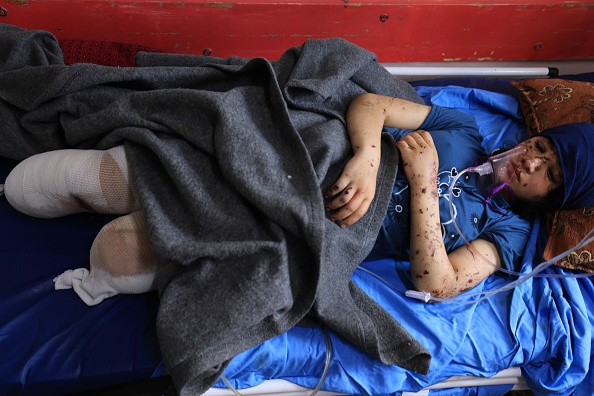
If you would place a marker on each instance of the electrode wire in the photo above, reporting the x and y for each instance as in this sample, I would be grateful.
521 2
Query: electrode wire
486 294
522 277
315 391
536 271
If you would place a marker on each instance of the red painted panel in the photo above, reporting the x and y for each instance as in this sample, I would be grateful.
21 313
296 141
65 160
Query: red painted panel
397 31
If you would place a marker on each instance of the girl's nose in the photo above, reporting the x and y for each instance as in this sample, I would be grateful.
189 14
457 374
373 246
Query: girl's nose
532 164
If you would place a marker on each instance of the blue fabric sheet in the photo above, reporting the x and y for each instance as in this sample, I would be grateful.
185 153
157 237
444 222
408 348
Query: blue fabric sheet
52 343
497 115
543 325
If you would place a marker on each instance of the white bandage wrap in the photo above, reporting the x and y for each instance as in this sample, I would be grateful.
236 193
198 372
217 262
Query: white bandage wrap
63 182
121 262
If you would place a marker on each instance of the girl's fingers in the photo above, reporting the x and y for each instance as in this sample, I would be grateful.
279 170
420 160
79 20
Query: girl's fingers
344 198
354 205
334 190
416 139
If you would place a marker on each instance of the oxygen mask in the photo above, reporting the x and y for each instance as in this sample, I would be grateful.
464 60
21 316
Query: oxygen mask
501 167
495 174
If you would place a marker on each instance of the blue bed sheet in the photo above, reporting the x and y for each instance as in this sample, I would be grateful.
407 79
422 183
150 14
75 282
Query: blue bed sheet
543 326
52 343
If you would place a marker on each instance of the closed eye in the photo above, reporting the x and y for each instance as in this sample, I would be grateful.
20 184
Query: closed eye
551 176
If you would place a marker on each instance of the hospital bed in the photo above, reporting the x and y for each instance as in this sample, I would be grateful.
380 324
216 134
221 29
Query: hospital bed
536 336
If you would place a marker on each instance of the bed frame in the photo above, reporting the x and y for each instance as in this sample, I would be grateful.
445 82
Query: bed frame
511 376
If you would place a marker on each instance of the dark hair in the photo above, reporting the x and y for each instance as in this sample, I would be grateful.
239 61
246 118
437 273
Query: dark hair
535 209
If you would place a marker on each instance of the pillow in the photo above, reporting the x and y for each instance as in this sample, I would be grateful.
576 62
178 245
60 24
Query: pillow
104 53
566 229
546 103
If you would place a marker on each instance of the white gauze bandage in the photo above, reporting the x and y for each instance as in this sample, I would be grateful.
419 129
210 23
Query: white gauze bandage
62 182
121 262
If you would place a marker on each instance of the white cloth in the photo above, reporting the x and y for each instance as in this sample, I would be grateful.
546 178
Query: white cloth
121 261
95 286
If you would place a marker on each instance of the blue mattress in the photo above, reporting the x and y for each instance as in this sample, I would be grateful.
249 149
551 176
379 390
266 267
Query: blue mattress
53 344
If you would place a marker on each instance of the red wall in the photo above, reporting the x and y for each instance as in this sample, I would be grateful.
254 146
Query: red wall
397 31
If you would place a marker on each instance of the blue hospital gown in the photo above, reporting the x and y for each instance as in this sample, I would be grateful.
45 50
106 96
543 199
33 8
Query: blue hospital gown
458 143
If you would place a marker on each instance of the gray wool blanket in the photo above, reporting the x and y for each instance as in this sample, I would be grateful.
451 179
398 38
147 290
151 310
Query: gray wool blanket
230 159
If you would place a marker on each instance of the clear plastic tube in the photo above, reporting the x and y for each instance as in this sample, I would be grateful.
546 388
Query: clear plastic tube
482 295
541 266
501 167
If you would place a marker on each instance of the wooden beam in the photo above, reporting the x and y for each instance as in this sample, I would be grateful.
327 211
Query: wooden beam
397 31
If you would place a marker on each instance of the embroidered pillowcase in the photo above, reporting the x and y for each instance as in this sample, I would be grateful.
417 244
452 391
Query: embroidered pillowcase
546 103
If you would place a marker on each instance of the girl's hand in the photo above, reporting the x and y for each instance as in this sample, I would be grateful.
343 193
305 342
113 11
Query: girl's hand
419 157
353 192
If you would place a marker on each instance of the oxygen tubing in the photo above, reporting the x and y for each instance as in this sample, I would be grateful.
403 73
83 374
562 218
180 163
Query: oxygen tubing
536 271
426 297
522 277
328 343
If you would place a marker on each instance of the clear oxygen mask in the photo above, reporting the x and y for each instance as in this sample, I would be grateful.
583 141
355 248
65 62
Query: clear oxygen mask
500 168
494 174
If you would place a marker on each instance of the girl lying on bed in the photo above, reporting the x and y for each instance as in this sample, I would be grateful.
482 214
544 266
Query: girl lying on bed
435 144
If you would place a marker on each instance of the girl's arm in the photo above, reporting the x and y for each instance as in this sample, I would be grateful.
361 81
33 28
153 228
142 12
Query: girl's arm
366 116
432 269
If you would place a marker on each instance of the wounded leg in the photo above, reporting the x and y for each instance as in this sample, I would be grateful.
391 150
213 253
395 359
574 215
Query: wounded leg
63 182
121 262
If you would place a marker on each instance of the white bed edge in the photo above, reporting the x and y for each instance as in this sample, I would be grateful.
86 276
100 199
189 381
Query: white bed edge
510 376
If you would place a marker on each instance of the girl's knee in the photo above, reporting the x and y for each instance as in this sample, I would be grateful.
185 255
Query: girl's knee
122 247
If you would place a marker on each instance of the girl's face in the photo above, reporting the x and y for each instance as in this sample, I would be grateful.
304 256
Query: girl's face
537 172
